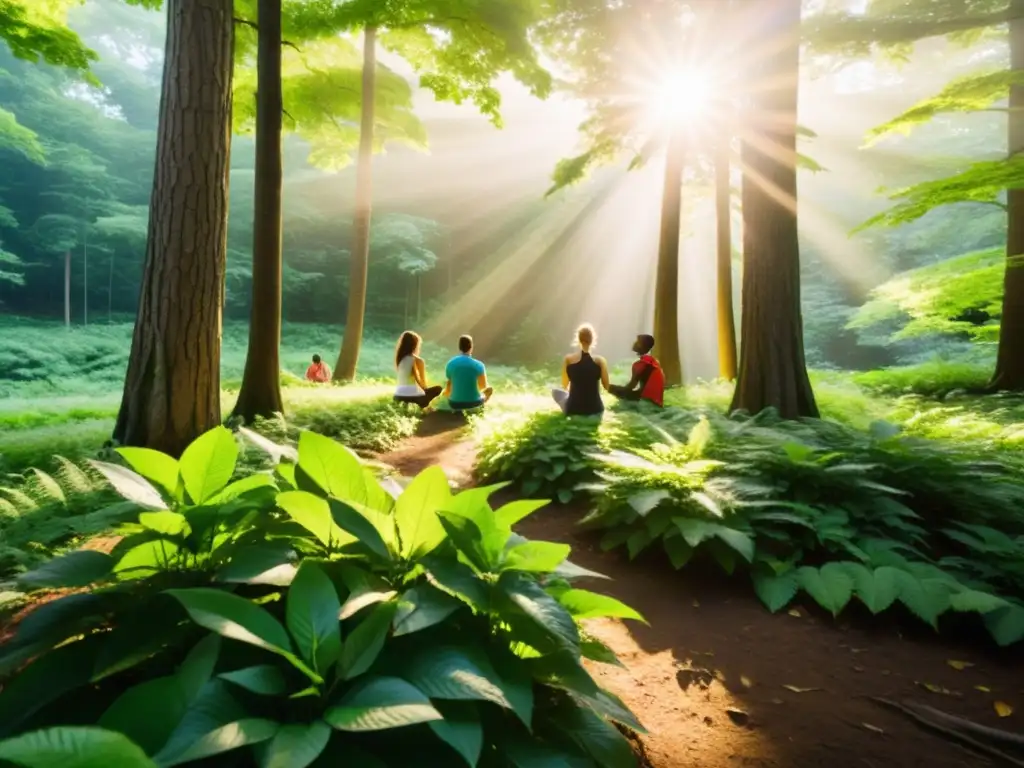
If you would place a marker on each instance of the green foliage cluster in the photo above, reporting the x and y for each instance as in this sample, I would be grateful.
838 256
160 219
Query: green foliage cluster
298 617
815 506
934 379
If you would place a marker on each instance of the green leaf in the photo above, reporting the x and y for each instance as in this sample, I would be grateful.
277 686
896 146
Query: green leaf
243 486
926 598
264 679
75 569
130 486
975 601
208 463
468 539
73 748
583 604
147 558
877 589
1006 625
645 501
528 599
233 735
313 612
457 674
197 668
296 746
536 557
239 619
595 650
459 581
596 736
421 607
331 467
514 511
147 713
314 514
775 591
165 522
678 551
365 642
831 587
460 729
270 563
381 703
156 467
416 512
360 527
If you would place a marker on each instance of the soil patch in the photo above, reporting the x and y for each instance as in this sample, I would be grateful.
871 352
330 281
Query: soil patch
440 439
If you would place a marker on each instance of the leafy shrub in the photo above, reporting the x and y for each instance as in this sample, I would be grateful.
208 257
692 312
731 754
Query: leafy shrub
936 378
298 618
817 507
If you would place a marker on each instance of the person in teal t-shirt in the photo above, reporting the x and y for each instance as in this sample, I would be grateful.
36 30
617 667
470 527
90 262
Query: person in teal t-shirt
467 379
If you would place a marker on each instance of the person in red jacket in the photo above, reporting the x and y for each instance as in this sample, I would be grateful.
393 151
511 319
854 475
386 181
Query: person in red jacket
648 380
318 372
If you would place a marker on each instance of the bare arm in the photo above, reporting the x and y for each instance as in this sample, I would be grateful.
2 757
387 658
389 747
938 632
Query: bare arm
419 372
565 373
447 388
604 373
481 381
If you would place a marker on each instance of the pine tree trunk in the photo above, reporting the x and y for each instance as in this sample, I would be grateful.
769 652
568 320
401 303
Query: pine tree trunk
260 394
772 371
67 289
345 370
723 222
1009 374
666 286
172 387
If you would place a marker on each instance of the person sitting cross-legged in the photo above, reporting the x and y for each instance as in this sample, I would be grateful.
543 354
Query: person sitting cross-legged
467 386
318 371
411 373
583 377
648 380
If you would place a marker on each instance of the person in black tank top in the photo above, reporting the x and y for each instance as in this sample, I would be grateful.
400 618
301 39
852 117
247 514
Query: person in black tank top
583 376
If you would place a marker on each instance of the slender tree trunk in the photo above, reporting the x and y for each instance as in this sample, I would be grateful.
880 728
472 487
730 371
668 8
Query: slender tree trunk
172 387
666 286
260 394
345 370
723 221
67 289
772 371
1009 373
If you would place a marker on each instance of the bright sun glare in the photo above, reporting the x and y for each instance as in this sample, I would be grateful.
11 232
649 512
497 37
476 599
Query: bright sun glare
682 94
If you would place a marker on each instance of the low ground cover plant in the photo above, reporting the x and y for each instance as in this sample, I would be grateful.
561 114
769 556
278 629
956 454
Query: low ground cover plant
299 617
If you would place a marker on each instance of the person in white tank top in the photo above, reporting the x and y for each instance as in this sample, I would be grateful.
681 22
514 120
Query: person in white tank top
411 373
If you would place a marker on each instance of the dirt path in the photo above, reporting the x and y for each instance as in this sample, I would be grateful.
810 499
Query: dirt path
719 682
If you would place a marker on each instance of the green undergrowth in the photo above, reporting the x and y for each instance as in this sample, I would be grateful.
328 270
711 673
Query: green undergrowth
878 514
934 379
298 617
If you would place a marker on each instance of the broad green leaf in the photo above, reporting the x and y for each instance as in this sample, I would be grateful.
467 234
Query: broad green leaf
775 591
381 703
740 542
457 674
596 736
416 512
296 745
239 619
595 650
878 588
197 668
536 557
242 486
362 598
468 539
314 514
972 600
678 551
460 729
147 558
361 527
527 598
75 569
645 501
562 669
147 713
611 707
156 467
926 598
831 587
365 642
130 486
334 469
73 748
473 506
208 463
421 607
233 735
313 611
1006 625
264 679
270 563
165 522
570 571
514 511
583 604
523 753
460 581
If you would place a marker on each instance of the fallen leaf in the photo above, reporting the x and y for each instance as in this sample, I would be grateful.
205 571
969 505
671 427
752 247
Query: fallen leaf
738 716
778 701
1003 709
696 604
858 650
796 613
745 681
938 689
983 688
858 669
797 689
873 728
959 666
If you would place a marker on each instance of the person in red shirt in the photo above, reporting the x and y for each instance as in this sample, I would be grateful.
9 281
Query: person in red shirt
318 371
648 380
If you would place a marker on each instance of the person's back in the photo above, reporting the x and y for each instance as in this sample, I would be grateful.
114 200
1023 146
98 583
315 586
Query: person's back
467 378
318 371
583 376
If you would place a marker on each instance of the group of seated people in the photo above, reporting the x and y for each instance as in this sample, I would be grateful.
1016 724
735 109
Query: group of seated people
583 376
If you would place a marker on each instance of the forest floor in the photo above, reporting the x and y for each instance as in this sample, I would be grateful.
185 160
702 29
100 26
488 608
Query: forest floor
720 682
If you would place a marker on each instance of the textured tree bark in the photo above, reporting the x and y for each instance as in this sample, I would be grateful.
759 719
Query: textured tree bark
723 222
666 281
172 387
772 371
67 289
1009 373
260 394
348 359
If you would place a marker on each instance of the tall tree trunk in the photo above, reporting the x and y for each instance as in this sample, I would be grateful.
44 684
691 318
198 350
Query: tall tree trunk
172 387
345 370
723 221
85 278
1009 373
260 394
666 285
772 371
67 289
